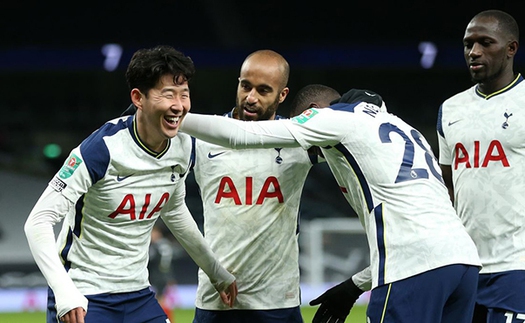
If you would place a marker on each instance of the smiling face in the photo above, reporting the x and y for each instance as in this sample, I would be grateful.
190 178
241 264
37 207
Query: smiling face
160 111
262 86
488 52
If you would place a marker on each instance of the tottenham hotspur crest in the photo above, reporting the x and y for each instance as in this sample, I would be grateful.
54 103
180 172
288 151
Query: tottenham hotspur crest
505 124
278 159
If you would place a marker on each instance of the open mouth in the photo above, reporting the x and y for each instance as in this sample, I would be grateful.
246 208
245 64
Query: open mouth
172 120
250 112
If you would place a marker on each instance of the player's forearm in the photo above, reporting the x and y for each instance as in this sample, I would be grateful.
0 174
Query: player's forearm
185 229
238 134
41 239
363 279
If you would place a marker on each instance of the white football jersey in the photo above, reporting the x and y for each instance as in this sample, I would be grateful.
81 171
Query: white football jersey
386 171
251 204
482 138
119 188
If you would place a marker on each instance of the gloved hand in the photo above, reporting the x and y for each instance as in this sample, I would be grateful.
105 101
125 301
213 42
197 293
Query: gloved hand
336 303
357 95
129 111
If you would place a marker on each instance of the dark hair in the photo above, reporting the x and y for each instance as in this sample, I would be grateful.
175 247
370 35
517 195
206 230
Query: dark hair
507 22
312 93
148 65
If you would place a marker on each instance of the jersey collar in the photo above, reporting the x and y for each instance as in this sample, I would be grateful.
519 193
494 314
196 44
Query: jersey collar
135 135
512 84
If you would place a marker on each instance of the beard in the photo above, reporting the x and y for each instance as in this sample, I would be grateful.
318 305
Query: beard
489 74
261 113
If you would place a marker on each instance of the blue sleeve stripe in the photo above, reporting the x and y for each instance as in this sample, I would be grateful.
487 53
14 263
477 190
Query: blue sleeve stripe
96 153
360 176
439 125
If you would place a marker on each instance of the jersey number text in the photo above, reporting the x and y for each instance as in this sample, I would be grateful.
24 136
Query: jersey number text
406 171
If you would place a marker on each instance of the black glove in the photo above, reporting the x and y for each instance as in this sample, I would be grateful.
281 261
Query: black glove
129 111
336 303
356 95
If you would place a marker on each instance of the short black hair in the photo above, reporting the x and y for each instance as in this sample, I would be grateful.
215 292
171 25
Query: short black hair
149 65
507 23
312 93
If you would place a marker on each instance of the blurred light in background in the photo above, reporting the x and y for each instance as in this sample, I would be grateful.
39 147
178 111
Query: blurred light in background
52 151
428 52
112 54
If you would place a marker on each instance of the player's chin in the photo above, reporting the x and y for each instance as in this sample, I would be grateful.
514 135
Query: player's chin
170 129
170 133
477 77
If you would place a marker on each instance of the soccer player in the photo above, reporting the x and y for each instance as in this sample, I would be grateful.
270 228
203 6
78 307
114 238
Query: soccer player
482 156
423 265
110 192
251 206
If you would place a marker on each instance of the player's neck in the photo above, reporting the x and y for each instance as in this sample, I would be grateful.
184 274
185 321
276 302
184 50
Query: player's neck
491 86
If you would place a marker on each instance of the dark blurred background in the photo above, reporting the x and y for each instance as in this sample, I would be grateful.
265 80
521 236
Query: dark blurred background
62 66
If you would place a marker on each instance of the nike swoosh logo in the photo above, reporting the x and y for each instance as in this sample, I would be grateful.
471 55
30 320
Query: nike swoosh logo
121 178
451 123
369 94
210 155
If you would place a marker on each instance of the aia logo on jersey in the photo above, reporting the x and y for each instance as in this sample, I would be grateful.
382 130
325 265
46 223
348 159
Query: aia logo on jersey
476 159
131 206
228 190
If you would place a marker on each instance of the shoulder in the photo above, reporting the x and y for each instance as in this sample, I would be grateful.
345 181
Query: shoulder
97 139
96 148
518 91
109 129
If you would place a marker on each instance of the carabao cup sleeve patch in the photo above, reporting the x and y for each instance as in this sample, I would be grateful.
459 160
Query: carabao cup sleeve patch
70 166
305 116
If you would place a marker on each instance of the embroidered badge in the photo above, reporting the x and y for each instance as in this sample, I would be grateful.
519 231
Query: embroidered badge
70 166
305 116
505 124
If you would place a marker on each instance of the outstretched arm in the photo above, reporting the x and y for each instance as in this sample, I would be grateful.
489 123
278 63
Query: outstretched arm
238 134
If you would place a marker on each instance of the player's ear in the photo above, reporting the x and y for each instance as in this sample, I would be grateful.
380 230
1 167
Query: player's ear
283 94
512 48
136 98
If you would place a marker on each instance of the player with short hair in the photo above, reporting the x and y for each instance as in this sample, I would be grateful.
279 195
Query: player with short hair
423 264
251 204
482 156
109 193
